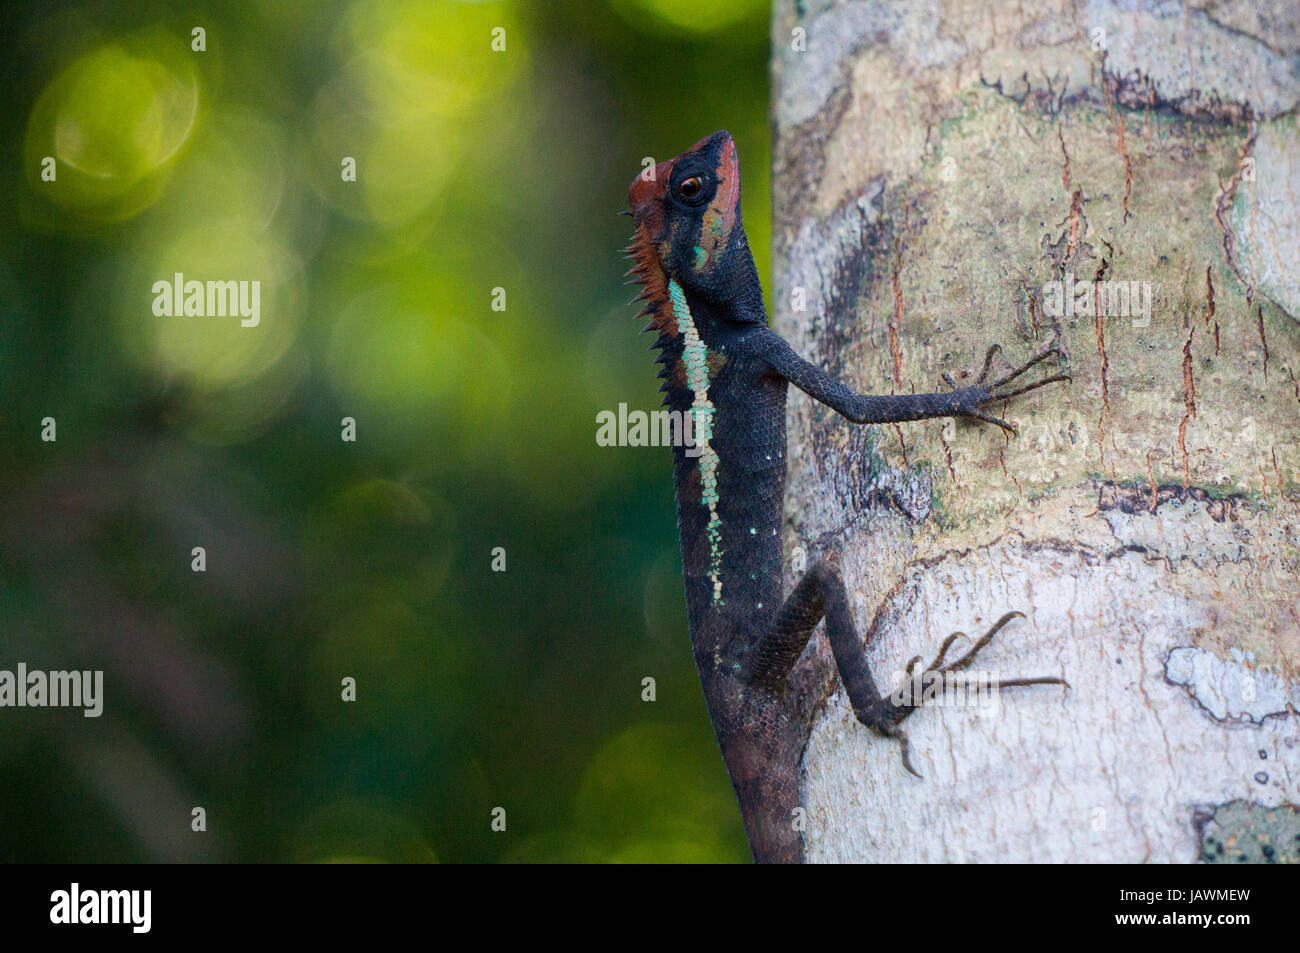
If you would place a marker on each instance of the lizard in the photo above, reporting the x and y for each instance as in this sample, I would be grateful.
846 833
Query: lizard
729 371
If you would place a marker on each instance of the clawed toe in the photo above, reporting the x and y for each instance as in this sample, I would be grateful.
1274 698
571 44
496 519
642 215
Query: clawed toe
993 351
984 640
996 421
1036 359
1026 389
943 649
993 389
901 737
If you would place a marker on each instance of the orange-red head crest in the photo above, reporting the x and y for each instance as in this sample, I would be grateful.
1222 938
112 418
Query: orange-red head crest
688 226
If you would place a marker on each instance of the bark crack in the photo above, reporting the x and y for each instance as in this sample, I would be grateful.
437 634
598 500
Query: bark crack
1259 314
1223 203
1189 404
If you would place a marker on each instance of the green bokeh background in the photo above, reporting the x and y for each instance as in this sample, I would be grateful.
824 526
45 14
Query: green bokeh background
476 170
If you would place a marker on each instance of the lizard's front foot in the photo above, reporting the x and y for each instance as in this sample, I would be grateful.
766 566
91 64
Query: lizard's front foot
887 714
972 400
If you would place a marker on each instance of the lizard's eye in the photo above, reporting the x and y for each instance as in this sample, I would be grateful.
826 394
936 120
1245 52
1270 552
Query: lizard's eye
690 188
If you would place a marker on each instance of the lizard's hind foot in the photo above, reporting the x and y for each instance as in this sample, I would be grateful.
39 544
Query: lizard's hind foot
885 718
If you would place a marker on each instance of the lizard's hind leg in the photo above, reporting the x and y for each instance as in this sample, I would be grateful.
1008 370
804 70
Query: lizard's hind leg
821 594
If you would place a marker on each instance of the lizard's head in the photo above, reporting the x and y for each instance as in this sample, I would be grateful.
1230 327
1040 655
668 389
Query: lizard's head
688 226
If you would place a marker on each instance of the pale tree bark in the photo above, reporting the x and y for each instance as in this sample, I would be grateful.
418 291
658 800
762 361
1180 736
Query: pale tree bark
937 166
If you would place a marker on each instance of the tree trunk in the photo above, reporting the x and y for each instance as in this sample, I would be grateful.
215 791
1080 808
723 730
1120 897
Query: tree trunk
951 175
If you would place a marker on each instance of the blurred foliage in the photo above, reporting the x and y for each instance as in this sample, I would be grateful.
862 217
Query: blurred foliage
476 170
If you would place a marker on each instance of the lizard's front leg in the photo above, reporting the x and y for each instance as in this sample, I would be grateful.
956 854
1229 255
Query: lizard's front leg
968 402
821 594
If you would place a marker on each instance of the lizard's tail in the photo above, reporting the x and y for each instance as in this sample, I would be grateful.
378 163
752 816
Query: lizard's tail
762 754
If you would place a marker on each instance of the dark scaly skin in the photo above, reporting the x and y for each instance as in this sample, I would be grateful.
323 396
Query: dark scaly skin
722 362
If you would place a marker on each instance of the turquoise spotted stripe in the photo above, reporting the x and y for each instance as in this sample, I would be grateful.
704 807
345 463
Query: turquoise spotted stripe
695 355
